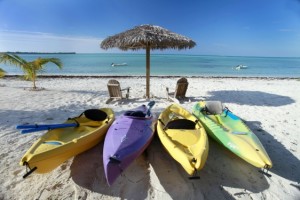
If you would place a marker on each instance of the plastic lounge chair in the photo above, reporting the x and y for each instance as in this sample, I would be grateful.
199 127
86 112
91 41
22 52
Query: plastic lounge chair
115 91
180 91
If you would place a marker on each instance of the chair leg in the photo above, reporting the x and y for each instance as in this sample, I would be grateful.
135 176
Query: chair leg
167 92
108 100
127 94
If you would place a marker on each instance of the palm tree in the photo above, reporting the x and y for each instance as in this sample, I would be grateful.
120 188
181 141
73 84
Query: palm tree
30 69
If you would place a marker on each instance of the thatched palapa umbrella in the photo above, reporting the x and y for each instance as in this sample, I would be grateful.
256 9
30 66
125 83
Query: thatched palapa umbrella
147 37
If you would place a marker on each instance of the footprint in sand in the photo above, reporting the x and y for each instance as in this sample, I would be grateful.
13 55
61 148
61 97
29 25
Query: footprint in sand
17 172
294 146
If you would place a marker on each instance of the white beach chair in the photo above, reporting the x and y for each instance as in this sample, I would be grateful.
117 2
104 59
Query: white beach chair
115 91
180 91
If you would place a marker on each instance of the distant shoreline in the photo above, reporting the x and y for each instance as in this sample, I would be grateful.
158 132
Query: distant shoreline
19 52
155 76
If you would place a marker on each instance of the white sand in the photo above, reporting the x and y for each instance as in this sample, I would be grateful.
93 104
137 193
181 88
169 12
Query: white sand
269 107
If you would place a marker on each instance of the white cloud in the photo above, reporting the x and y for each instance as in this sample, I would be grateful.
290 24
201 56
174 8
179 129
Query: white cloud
47 42
286 30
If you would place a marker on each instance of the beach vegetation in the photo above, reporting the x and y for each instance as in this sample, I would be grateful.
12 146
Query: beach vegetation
2 73
30 69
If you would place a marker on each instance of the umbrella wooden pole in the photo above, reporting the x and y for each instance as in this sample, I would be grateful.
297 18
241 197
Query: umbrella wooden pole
148 71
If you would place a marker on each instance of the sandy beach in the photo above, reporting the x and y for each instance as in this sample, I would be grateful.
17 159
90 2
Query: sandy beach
270 107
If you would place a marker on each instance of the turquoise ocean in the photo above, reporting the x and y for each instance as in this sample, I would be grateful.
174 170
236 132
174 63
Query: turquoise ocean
166 65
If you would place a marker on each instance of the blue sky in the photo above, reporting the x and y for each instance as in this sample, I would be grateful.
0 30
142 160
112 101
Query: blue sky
219 27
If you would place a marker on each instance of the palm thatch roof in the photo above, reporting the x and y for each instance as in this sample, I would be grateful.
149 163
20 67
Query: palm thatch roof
147 35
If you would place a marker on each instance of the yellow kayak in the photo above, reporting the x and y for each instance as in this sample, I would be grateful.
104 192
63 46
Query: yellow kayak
58 145
183 137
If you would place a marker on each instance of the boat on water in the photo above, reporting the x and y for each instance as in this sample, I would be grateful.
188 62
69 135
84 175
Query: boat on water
118 64
241 67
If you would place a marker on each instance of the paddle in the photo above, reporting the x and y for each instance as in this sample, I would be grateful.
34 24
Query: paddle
95 115
150 105
50 128
36 126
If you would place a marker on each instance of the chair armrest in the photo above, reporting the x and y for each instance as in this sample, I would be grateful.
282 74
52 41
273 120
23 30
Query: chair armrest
126 89
127 93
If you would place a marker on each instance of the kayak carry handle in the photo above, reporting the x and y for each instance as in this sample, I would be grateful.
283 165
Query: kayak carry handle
195 176
30 170
265 171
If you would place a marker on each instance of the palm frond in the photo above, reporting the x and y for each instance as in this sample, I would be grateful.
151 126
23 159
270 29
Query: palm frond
12 59
56 61
38 64
2 73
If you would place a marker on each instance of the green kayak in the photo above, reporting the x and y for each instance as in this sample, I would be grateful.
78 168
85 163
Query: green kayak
230 131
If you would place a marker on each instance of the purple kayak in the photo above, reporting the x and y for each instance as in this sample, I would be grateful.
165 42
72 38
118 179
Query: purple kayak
127 138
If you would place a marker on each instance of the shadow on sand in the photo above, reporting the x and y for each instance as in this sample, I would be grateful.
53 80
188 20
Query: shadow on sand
222 169
87 168
57 114
276 151
285 164
87 171
252 98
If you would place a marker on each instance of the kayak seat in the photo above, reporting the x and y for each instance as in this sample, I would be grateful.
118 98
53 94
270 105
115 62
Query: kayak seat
214 107
181 124
135 113
95 114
